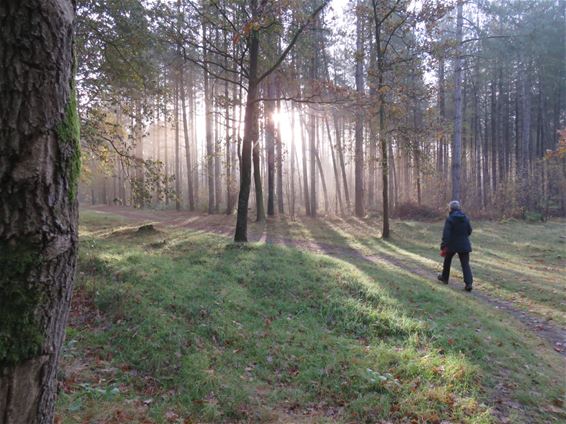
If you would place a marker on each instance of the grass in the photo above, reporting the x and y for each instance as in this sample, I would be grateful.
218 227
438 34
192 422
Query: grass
517 261
181 326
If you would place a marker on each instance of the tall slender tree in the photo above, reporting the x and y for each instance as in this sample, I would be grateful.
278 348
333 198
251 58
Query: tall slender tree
359 137
457 138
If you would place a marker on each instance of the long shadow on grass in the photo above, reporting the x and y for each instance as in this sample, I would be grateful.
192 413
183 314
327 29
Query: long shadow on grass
418 297
484 270
418 253
219 324
459 323
326 331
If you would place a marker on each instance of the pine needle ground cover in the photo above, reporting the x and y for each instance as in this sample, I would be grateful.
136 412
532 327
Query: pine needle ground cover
174 325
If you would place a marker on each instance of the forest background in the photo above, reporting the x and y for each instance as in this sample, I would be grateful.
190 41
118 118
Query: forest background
359 107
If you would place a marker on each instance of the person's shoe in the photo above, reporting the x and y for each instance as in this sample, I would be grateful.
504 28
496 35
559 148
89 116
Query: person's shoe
440 278
468 287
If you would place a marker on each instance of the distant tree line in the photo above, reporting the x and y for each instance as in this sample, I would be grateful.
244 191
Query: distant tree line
185 104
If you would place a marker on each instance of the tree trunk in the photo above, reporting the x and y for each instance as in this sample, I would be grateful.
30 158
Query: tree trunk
323 181
526 125
260 208
187 145
104 190
502 120
385 233
298 172
228 153
494 136
250 127
234 143
195 168
340 151
313 154
372 159
177 150
484 156
292 159
417 152
139 195
359 133
418 175
477 138
217 159
335 168
157 139
441 165
39 170
525 138
208 123
279 145
393 178
457 139
305 177
250 137
165 151
269 107
464 171
122 184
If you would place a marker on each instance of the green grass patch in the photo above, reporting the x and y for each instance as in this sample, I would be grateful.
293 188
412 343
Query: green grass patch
514 260
171 324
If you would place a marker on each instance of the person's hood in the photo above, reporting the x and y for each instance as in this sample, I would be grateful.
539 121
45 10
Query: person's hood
458 215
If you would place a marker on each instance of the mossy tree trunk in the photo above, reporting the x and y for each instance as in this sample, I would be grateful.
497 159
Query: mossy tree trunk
39 169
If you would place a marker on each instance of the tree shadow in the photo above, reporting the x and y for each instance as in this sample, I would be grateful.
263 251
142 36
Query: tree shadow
305 323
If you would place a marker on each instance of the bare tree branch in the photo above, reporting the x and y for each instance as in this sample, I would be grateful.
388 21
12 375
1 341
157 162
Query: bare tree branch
293 41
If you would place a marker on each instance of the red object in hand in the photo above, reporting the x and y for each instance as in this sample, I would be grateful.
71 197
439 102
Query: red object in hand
443 252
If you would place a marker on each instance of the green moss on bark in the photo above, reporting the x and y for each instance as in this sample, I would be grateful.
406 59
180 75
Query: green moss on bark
69 133
20 334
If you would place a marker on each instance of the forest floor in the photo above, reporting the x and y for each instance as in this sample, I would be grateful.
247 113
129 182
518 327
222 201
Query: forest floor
314 321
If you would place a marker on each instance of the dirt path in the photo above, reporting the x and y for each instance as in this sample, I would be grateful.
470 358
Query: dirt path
216 224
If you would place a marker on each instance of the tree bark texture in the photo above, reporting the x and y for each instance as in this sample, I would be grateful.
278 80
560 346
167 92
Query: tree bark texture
340 152
311 131
305 176
359 129
177 151
457 138
208 123
279 165
39 170
269 107
260 208
323 181
249 139
292 160
190 193
335 168
139 193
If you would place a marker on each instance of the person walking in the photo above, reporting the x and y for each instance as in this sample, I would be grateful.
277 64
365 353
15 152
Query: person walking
455 239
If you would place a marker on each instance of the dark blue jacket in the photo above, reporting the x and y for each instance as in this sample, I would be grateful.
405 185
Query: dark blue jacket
457 228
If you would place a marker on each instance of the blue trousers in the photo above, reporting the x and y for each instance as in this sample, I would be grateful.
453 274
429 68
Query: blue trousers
464 261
